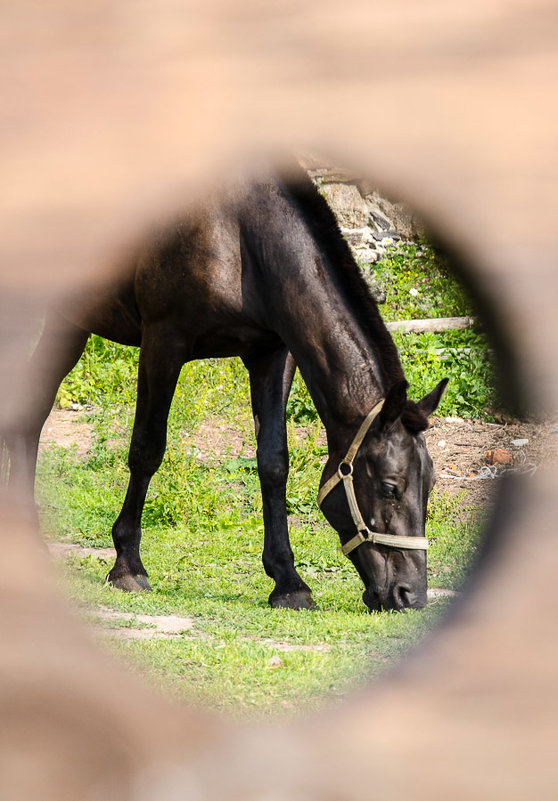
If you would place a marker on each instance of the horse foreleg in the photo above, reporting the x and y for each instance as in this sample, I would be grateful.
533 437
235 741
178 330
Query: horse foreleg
160 362
271 375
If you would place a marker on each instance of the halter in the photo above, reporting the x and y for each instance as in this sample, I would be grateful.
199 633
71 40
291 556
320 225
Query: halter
345 474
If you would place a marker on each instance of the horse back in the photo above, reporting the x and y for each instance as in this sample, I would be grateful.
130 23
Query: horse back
188 278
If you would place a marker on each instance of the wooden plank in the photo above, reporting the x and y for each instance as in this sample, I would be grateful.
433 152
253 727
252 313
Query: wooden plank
435 325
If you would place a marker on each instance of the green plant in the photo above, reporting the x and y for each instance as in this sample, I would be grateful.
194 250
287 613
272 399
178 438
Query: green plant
419 284
454 531
300 406
105 369
461 356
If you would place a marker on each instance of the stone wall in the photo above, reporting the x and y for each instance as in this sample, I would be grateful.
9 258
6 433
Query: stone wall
369 221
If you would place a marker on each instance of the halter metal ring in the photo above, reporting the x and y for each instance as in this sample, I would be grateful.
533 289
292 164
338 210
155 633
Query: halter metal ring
340 472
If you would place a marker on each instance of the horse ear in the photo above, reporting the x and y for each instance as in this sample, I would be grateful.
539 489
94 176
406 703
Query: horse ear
394 404
430 402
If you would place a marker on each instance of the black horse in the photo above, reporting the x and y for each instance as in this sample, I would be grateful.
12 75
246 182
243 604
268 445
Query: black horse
263 272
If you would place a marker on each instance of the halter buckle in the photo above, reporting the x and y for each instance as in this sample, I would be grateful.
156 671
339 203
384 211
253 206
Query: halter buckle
340 472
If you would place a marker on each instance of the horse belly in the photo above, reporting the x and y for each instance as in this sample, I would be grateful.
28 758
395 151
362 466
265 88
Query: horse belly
234 341
112 314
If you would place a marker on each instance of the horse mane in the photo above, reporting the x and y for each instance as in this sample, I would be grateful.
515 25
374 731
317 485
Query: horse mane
323 225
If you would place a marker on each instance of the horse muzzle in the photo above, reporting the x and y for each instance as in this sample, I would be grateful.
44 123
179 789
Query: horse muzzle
397 598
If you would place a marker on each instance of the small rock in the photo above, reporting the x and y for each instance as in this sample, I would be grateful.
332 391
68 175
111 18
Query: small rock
498 456
379 224
366 255
356 237
519 443
275 662
347 204
442 443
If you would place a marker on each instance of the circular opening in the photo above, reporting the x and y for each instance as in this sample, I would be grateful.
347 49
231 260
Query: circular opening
207 632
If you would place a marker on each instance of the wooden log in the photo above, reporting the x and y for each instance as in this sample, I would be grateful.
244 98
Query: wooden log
435 326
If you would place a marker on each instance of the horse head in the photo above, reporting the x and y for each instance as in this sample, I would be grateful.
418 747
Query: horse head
377 498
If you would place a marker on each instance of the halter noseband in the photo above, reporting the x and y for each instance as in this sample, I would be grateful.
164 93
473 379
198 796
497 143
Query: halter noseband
345 474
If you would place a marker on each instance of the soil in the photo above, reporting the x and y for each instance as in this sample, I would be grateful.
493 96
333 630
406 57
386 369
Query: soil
66 428
460 450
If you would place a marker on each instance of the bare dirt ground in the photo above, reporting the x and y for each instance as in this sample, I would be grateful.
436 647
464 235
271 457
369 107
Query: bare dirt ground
460 450
66 428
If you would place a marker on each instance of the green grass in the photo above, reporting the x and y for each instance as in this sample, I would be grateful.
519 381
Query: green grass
202 544
207 566
203 529
419 285
226 660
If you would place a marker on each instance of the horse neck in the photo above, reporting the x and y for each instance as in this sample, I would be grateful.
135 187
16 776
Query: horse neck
315 316
338 364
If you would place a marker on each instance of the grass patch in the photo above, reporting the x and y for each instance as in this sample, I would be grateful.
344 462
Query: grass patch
241 656
202 548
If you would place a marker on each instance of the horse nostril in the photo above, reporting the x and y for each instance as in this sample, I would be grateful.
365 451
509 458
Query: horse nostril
403 597
406 598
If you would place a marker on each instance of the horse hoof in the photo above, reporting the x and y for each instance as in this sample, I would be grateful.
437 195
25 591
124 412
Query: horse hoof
302 599
131 583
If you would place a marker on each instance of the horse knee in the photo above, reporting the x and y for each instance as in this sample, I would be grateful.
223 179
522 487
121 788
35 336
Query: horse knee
273 469
146 457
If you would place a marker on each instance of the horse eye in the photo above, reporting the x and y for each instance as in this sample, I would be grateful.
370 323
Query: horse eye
389 490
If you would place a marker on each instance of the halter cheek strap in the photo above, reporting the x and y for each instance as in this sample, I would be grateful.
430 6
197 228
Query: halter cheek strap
345 474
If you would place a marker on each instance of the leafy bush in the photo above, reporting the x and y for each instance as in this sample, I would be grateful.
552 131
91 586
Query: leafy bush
464 360
419 285
300 406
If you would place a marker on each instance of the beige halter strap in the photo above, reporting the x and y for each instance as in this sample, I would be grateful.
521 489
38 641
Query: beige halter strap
345 474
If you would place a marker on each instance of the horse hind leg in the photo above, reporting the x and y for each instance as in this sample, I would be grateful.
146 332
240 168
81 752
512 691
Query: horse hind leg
58 351
271 374
161 358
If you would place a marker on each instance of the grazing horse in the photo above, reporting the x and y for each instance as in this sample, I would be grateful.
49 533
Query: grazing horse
263 272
